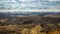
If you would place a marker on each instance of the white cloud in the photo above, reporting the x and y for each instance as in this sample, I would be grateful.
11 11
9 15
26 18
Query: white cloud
53 0
13 0
26 0
23 0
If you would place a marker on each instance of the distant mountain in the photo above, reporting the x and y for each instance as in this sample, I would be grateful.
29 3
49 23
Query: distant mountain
10 14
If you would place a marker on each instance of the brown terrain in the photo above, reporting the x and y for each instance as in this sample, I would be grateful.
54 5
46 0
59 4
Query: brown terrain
30 25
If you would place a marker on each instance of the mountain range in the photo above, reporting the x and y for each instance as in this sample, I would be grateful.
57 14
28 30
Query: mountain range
14 14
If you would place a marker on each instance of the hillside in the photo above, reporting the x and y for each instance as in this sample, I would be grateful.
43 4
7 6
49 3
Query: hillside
29 23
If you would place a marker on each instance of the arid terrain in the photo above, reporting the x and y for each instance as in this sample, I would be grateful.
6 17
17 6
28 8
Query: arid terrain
30 24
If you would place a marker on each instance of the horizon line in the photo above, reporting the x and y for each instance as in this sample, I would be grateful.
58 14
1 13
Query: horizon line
45 10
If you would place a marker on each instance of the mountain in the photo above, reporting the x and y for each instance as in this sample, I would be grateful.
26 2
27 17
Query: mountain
14 14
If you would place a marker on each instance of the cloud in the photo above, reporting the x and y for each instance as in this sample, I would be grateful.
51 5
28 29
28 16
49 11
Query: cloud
26 0
30 5
53 0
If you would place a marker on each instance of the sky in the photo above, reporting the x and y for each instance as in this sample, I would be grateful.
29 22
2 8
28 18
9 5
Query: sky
30 5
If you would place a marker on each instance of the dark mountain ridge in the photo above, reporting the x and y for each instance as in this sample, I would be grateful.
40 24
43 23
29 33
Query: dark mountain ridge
14 14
